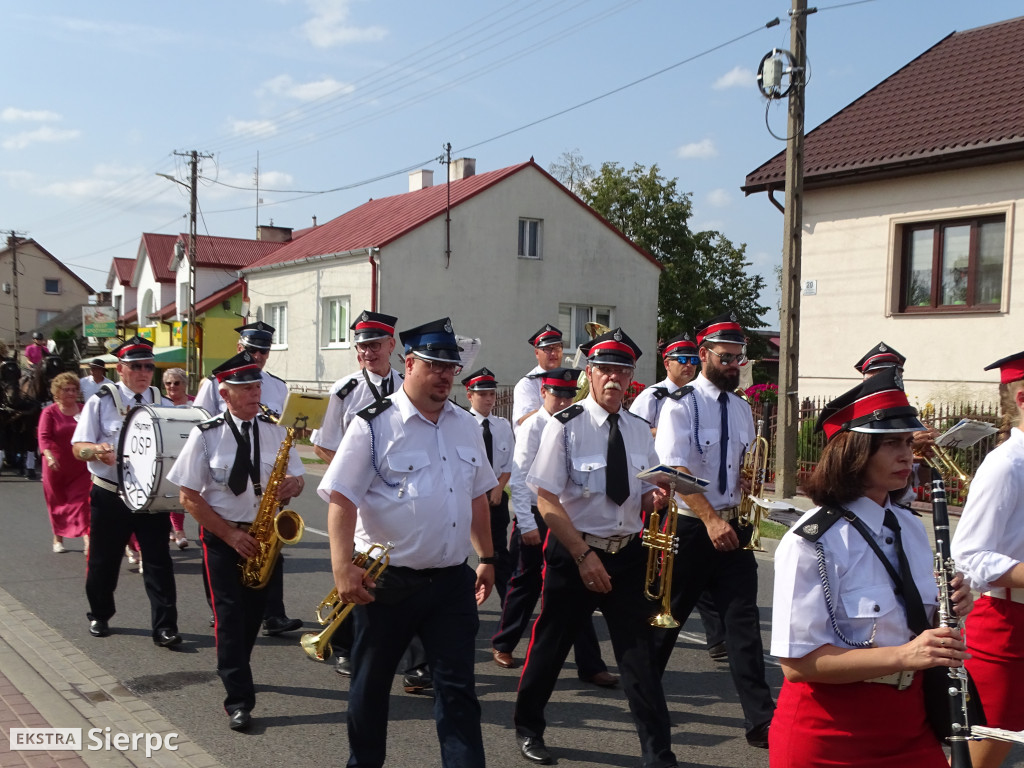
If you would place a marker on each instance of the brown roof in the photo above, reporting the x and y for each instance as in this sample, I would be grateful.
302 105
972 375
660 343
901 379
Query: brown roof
123 270
379 222
956 104
160 249
231 252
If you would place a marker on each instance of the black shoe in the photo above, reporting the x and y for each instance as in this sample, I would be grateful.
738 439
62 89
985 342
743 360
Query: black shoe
533 749
240 720
418 681
30 474
343 666
99 628
275 625
758 737
165 638
718 652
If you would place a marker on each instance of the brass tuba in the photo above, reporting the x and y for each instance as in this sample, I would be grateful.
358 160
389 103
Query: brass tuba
755 469
663 545
270 528
332 611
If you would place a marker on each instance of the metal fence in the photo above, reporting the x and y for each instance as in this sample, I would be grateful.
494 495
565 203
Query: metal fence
964 462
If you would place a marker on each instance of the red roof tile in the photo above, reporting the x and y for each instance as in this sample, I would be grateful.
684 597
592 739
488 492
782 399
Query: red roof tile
231 252
382 221
123 270
957 103
160 249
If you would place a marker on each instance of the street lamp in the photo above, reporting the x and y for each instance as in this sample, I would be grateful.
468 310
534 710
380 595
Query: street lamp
191 356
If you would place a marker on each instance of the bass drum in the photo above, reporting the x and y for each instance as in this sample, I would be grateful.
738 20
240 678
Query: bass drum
151 439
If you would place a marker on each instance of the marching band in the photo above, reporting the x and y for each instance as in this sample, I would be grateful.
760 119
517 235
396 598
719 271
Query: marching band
861 627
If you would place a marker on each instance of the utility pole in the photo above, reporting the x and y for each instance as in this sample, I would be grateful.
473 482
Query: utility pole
446 159
12 241
789 337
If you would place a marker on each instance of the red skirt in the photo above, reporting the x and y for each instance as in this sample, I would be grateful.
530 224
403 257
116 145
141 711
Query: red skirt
852 724
995 639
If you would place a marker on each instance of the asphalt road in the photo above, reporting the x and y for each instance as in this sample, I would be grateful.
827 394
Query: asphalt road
299 717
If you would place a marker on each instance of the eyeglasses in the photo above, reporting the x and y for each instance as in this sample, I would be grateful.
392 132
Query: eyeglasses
442 368
608 370
368 346
686 359
728 358
141 367
174 383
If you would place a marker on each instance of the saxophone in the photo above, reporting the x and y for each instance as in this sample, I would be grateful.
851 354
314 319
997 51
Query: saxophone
271 529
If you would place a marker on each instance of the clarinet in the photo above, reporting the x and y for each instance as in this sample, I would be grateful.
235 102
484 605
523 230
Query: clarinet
945 570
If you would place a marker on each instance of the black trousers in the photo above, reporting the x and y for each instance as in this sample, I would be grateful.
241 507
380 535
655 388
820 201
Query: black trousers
566 605
731 580
111 525
499 540
440 606
520 600
237 613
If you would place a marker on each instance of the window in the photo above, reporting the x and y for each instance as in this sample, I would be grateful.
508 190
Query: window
51 285
952 265
335 323
147 307
573 319
277 316
529 238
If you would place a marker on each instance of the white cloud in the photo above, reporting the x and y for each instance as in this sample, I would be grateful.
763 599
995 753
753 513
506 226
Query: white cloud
253 128
698 150
283 85
737 77
719 198
13 115
329 25
43 135
109 181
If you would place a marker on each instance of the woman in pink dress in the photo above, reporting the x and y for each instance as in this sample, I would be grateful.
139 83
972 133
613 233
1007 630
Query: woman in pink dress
66 482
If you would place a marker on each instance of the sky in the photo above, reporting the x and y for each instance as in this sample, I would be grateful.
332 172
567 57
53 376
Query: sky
349 95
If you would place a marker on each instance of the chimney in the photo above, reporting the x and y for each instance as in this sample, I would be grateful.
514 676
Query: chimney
420 179
463 168
271 234
314 221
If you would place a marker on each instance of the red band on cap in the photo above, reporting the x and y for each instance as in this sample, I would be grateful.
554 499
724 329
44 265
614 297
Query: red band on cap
559 383
546 335
473 382
1012 371
612 346
893 398
671 349
126 350
885 357
226 374
373 325
713 330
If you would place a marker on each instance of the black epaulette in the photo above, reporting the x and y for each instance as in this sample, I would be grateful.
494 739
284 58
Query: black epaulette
268 417
213 421
102 392
814 528
345 390
565 416
659 393
276 377
680 393
374 410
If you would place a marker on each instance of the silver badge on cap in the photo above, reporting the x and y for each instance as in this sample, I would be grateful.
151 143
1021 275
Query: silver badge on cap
732 316
882 347
617 335
448 326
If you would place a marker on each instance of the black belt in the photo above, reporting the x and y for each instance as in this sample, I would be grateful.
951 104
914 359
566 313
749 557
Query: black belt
428 572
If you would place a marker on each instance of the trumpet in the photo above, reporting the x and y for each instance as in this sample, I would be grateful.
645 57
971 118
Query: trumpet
663 545
754 468
943 463
332 611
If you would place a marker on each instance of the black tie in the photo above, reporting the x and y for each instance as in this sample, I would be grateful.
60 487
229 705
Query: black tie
488 442
138 399
239 476
617 479
917 619
385 386
723 460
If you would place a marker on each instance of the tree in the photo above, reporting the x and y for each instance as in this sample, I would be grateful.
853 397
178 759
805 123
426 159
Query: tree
704 275
572 171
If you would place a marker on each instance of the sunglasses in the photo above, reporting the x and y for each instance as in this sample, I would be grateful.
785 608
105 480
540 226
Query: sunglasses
141 367
686 359
729 359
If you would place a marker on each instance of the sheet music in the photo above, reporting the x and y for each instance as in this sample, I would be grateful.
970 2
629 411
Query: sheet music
965 433
983 731
668 476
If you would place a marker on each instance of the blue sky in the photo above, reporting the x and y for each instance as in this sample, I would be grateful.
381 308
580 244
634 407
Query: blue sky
331 93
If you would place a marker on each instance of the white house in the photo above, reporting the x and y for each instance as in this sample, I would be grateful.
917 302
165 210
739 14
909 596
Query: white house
519 251
910 227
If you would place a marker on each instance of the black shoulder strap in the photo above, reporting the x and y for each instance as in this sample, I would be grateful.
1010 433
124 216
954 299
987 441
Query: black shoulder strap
374 410
216 421
659 393
346 390
565 416
815 526
680 393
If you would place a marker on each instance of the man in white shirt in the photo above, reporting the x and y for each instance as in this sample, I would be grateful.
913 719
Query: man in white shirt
681 361
97 377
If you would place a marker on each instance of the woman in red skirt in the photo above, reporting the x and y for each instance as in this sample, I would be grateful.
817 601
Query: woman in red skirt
841 622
